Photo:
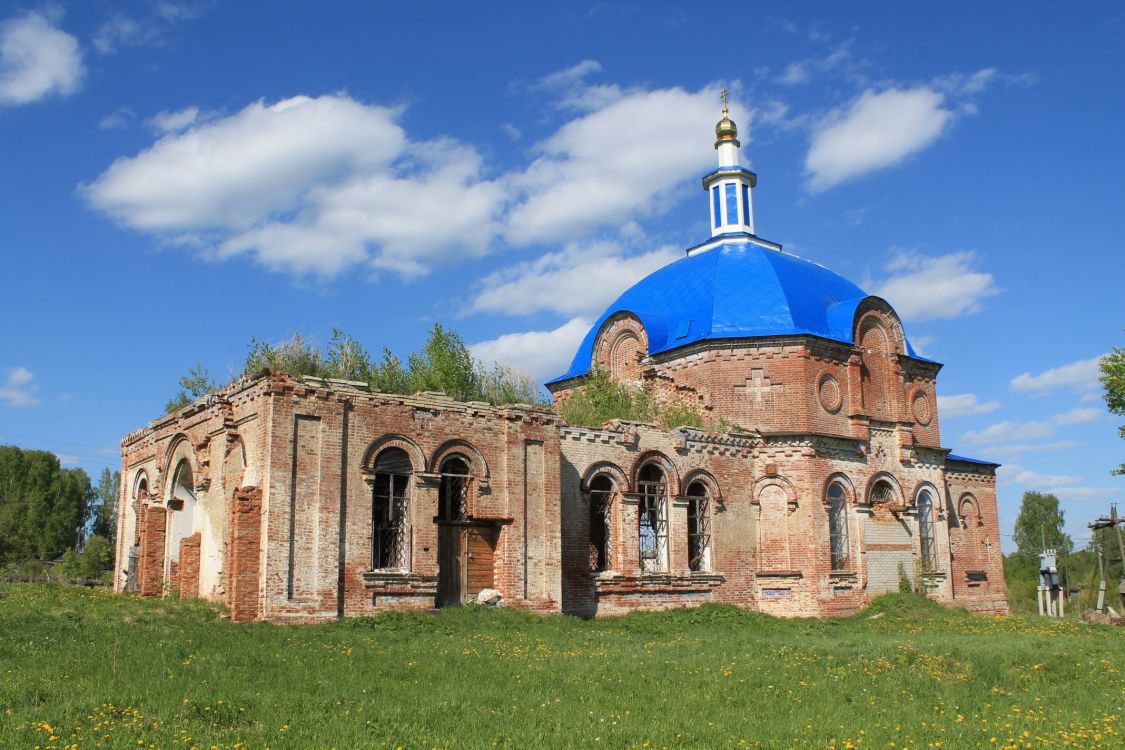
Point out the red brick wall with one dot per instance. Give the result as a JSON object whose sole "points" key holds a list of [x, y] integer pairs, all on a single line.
{"points": [[244, 553], [153, 535], [188, 573]]}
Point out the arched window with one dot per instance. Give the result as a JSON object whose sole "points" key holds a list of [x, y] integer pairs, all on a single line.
{"points": [[390, 517], [883, 493], [838, 539], [698, 527], [453, 497], [601, 497], [926, 530], [652, 532], [181, 503]]}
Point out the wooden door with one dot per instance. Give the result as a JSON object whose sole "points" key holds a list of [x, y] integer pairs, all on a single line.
{"points": [[480, 549], [450, 568]]}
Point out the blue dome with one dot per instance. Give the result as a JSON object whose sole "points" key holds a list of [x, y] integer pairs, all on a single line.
{"points": [[736, 290]]}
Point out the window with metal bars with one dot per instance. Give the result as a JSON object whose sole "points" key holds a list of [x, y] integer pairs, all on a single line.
{"points": [[699, 527], [838, 539], [390, 517], [652, 519], [601, 497], [453, 496], [882, 493], [925, 506]]}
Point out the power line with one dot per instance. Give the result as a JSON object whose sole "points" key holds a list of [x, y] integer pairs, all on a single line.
{"points": [[51, 440]]}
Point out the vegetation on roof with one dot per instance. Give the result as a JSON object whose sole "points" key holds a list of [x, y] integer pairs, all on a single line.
{"points": [[444, 364], [600, 399]]}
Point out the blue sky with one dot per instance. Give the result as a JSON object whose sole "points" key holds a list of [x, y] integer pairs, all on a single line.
{"points": [[178, 178]]}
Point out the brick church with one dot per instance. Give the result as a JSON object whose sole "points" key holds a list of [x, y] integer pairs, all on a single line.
{"points": [[305, 499]]}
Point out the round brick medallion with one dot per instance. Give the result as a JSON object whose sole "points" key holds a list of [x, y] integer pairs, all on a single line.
{"points": [[829, 393], [923, 410]]}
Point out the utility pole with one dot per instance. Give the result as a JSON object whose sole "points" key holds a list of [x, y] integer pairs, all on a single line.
{"points": [[1121, 549]]}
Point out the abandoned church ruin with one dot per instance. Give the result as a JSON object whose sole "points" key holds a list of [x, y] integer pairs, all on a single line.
{"points": [[298, 500]]}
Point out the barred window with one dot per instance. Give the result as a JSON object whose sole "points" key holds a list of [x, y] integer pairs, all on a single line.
{"points": [[601, 496], [453, 497], [926, 530], [838, 539], [390, 517], [699, 527], [653, 519], [883, 493]]}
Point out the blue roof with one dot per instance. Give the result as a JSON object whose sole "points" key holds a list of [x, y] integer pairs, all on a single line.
{"points": [[967, 460], [735, 290]]}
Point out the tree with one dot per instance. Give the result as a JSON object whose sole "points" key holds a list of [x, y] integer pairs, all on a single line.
{"points": [[1112, 366], [43, 507], [196, 384], [445, 364], [1040, 520], [104, 511]]}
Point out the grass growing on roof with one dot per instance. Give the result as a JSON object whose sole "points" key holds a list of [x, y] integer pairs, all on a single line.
{"points": [[85, 668]]}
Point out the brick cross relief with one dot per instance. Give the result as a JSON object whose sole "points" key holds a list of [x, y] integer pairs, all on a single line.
{"points": [[758, 385]]}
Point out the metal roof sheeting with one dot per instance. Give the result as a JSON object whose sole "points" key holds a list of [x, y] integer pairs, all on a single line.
{"points": [[735, 290]]}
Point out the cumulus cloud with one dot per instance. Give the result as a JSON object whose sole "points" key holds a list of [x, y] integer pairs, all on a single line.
{"points": [[318, 184], [544, 353], [1007, 431], [876, 131], [18, 388], [581, 279], [923, 287], [1016, 449], [1085, 493], [37, 60], [964, 405], [307, 185], [612, 164], [1079, 375]]}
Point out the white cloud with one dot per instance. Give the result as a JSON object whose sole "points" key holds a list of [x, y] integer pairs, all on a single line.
{"points": [[167, 121], [1006, 431], [800, 71], [571, 91], [544, 353], [923, 287], [1078, 375], [1021, 448], [1078, 415], [37, 60], [878, 130], [67, 459], [307, 185], [18, 389], [614, 164], [118, 118], [964, 405], [581, 279], [122, 31], [1085, 493], [1035, 479], [232, 173]]}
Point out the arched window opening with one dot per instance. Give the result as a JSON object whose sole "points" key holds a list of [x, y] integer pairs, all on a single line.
{"points": [[653, 519], [838, 539], [883, 493], [453, 497], [926, 531], [968, 513], [182, 505], [601, 497], [699, 527], [390, 517]]}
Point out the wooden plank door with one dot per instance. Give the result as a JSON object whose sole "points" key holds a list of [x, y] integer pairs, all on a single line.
{"points": [[480, 559], [450, 567]]}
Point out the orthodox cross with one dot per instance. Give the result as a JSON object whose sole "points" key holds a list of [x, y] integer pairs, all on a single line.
{"points": [[758, 385], [724, 95]]}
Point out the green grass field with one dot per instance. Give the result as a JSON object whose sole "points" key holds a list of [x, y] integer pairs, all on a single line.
{"points": [[85, 668]]}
